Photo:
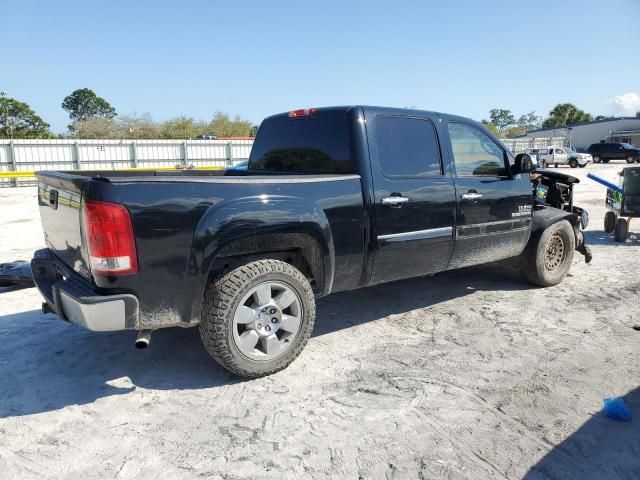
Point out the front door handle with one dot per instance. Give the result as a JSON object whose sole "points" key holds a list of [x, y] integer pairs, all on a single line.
{"points": [[394, 201], [471, 196]]}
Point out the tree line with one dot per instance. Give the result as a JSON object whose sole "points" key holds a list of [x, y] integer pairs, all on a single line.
{"points": [[504, 123], [93, 117]]}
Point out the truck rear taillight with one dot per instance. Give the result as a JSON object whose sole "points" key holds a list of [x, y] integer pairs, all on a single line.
{"points": [[110, 240], [303, 112]]}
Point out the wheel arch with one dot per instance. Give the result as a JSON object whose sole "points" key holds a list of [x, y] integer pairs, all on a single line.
{"points": [[547, 216], [290, 229]]}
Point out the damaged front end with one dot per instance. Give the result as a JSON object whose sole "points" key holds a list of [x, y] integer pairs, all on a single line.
{"points": [[553, 200]]}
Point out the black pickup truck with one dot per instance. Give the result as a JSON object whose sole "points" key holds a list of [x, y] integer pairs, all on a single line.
{"points": [[333, 199]]}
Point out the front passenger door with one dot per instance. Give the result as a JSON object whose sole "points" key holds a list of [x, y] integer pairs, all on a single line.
{"points": [[560, 156], [494, 208]]}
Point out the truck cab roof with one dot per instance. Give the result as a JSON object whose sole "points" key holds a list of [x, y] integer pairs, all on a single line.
{"points": [[346, 109]]}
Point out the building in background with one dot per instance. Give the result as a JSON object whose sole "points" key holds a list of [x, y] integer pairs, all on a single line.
{"points": [[581, 135]]}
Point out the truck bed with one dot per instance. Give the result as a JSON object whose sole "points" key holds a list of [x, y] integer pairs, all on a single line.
{"points": [[180, 217]]}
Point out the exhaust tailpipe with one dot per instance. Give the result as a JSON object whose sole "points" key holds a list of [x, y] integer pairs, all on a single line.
{"points": [[46, 308], [144, 338]]}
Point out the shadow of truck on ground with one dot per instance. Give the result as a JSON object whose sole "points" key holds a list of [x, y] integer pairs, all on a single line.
{"points": [[600, 449], [47, 364]]}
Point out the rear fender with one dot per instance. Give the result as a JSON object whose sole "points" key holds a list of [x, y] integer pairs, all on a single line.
{"points": [[259, 221]]}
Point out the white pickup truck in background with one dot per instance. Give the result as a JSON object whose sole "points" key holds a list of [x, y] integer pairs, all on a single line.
{"points": [[554, 156]]}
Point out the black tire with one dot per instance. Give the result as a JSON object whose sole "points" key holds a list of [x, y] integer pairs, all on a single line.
{"points": [[221, 300], [610, 219], [621, 230], [606, 160], [596, 159], [573, 163], [555, 165], [583, 165], [637, 159], [548, 258], [630, 159]]}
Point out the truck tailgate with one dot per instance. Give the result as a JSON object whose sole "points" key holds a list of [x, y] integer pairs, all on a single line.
{"points": [[59, 202]]}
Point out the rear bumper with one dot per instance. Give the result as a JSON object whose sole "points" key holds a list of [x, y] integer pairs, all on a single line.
{"points": [[75, 299]]}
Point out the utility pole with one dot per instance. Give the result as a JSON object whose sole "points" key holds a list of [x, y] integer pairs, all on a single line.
{"points": [[5, 121]]}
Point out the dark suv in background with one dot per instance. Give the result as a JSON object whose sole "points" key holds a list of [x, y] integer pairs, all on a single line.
{"points": [[603, 152]]}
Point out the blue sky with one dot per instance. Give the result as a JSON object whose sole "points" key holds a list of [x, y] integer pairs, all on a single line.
{"points": [[255, 58]]}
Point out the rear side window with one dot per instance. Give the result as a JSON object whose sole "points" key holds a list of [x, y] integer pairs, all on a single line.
{"points": [[407, 147], [314, 145], [474, 153]]}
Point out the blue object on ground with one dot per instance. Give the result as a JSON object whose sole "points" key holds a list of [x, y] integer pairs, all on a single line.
{"points": [[615, 408]]}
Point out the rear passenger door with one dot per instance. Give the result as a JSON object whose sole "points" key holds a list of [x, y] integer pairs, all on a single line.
{"points": [[494, 208], [414, 198]]}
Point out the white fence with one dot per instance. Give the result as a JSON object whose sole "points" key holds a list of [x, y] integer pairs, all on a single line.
{"points": [[35, 155], [519, 145]]}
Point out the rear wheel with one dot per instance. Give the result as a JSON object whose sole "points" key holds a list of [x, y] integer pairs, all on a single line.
{"points": [[547, 259], [630, 159], [606, 160], [622, 228], [257, 318], [596, 159], [610, 219]]}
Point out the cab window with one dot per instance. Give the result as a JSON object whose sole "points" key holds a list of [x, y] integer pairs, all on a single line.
{"points": [[475, 154], [407, 147]]}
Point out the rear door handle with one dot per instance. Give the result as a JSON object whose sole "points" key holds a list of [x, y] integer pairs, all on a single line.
{"points": [[471, 196], [394, 201]]}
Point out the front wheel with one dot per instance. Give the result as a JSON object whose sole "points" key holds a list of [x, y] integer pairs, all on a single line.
{"points": [[596, 159], [573, 163], [257, 318], [630, 159], [547, 259]]}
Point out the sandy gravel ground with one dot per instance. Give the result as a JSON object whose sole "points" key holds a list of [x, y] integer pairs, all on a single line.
{"points": [[467, 375]]}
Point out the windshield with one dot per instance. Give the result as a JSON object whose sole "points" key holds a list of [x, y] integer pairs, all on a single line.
{"points": [[569, 150], [627, 145]]}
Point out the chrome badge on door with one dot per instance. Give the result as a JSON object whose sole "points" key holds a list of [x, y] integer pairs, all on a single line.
{"points": [[523, 211]]}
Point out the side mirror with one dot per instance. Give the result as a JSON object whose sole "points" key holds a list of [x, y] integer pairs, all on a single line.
{"points": [[524, 164]]}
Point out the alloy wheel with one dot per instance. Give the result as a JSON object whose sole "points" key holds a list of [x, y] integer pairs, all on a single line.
{"points": [[267, 320]]}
